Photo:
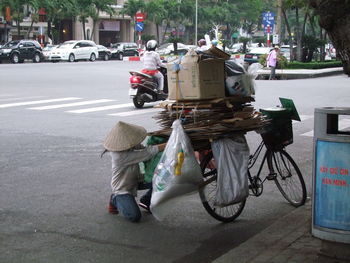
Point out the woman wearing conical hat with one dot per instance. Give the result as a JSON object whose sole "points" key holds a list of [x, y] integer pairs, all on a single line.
{"points": [[123, 143]]}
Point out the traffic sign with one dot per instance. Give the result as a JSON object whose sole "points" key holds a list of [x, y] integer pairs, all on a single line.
{"points": [[268, 21], [140, 17], [139, 26]]}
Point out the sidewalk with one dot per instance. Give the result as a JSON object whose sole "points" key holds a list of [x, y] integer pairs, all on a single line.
{"points": [[301, 73], [288, 239]]}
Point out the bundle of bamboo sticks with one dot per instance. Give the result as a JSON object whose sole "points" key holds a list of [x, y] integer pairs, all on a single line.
{"points": [[207, 120]]}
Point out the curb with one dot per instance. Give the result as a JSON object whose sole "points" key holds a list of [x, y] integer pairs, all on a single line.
{"points": [[270, 243], [301, 74], [131, 58]]}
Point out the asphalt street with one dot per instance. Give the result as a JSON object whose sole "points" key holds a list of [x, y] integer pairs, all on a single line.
{"points": [[54, 187]]}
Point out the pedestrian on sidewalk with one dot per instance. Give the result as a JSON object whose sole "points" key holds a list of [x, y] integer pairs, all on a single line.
{"points": [[271, 62], [123, 143]]}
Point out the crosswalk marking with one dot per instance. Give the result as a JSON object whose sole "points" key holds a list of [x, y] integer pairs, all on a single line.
{"points": [[110, 107], [27, 98], [134, 112], [343, 124], [81, 103], [36, 102]]}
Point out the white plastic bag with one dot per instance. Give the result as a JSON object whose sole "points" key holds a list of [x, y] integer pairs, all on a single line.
{"points": [[171, 178], [231, 157], [248, 79]]}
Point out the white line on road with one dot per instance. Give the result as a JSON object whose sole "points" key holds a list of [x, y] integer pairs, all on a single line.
{"points": [[27, 98], [110, 107], [36, 102], [134, 112], [343, 124], [57, 106]]}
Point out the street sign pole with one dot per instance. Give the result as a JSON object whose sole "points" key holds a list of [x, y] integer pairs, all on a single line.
{"points": [[268, 35], [139, 39]]}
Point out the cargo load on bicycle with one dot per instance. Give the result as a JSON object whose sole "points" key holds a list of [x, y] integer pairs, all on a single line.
{"points": [[212, 97]]}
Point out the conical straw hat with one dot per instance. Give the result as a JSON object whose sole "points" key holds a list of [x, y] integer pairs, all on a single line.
{"points": [[124, 136]]}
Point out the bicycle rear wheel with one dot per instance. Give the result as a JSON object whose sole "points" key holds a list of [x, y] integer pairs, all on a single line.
{"points": [[207, 194], [289, 179]]}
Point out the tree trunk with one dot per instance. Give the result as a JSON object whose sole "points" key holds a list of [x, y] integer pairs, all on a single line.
{"points": [[290, 40], [298, 35], [18, 29], [157, 29], [335, 19], [30, 28], [84, 30], [49, 32]]}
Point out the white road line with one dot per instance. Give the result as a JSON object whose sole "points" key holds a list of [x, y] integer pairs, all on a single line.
{"points": [[21, 98], [57, 106], [343, 124], [134, 112], [110, 107], [36, 102]]}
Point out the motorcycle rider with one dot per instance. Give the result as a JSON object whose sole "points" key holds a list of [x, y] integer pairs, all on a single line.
{"points": [[151, 62]]}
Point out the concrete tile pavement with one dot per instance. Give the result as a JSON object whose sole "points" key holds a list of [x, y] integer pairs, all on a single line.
{"points": [[288, 239]]}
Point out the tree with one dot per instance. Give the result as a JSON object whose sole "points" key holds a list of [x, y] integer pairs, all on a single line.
{"points": [[334, 17], [55, 12], [104, 6], [17, 11]]}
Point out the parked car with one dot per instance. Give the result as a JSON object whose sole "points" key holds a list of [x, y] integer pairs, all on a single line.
{"points": [[254, 54], [47, 51], [104, 53], [17, 51], [74, 50], [124, 49], [168, 49], [285, 51], [235, 48]]}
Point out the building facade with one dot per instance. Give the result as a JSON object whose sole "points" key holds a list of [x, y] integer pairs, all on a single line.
{"points": [[105, 30]]}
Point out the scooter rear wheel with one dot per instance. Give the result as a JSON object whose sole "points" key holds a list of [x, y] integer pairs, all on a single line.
{"points": [[138, 102]]}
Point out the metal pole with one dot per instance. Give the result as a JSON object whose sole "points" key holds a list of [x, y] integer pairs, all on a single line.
{"points": [[196, 23]]}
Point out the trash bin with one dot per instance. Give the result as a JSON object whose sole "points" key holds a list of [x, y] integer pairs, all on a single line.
{"points": [[331, 178]]}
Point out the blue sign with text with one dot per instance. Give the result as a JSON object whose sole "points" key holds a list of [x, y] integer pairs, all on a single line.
{"points": [[139, 26], [332, 185], [268, 21]]}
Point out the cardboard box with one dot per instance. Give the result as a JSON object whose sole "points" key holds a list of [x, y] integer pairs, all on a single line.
{"points": [[197, 79]]}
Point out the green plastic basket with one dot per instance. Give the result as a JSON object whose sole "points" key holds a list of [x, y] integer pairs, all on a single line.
{"points": [[279, 133]]}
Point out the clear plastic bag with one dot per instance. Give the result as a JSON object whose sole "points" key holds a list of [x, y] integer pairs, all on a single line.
{"points": [[248, 79], [177, 172], [231, 156]]}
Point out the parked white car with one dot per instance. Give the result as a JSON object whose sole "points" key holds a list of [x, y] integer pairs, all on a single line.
{"points": [[47, 51], [74, 50]]}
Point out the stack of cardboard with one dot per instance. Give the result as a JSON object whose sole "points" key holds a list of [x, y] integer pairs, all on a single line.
{"points": [[197, 93], [207, 120]]}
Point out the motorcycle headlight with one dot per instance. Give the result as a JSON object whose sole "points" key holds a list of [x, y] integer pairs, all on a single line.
{"points": [[6, 50]]}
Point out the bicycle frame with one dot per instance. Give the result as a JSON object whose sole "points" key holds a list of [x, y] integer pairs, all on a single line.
{"points": [[256, 184]]}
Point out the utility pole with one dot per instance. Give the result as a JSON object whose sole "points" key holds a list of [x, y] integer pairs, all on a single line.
{"points": [[279, 20]]}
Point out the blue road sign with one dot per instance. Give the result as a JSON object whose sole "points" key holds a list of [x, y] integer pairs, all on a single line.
{"points": [[268, 20], [139, 26]]}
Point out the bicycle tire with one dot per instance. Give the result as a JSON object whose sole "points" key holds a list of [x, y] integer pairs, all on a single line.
{"points": [[289, 179], [207, 194]]}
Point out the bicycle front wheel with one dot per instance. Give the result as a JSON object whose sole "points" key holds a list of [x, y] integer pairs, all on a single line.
{"points": [[289, 179], [207, 193]]}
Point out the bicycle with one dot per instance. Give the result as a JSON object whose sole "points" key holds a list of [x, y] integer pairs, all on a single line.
{"points": [[282, 170]]}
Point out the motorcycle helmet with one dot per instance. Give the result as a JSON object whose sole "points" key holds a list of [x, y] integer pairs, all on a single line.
{"points": [[202, 42], [214, 42], [151, 45]]}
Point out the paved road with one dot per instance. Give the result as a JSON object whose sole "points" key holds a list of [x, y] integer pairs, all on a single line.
{"points": [[54, 187]]}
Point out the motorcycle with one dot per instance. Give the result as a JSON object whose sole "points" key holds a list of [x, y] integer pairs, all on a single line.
{"points": [[144, 88]]}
